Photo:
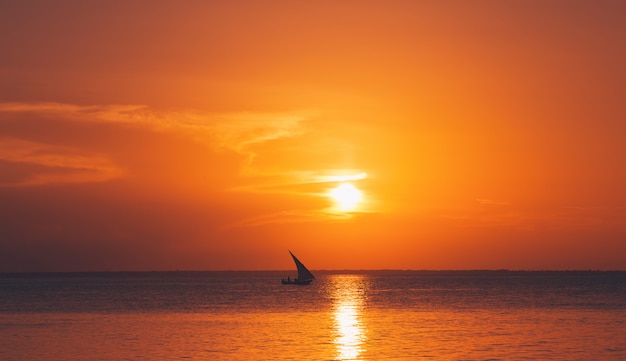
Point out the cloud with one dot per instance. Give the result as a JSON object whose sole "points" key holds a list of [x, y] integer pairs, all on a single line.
{"points": [[308, 182], [52, 164], [492, 202], [235, 131], [242, 130], [67, 158], [292, 216], [536, 218]]}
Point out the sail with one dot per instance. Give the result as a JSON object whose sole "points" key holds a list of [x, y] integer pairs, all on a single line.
{"points": [[303, 273]]}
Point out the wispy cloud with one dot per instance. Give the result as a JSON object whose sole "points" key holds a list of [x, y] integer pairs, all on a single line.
{"points": [[526, 218], [285, 179], [237, 132], [56, 164], [291, 216], [492, 202], [241, 130]]}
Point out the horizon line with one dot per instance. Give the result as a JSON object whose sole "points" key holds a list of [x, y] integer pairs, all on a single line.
{"points": [[318, 270]]}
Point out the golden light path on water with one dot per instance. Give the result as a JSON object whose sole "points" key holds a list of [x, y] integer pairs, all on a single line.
{"points": [[348, 295]]}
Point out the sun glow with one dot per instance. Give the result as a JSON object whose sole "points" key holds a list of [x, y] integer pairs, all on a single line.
{"points": [[345, 178], [346, 196]]}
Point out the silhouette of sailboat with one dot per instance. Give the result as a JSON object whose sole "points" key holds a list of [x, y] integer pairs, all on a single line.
{"points": [[304, 275]]}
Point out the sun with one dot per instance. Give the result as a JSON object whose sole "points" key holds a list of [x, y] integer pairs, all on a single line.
{"points": [[346, 196]]}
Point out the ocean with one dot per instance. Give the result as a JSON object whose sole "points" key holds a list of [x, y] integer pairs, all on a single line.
{"points": [[364, 315]]}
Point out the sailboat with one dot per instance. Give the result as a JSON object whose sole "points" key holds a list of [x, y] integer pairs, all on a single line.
{"points": [[304, 275]]}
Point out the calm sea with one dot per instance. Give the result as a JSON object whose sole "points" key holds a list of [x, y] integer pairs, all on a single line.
{"points": [[391, 315]]}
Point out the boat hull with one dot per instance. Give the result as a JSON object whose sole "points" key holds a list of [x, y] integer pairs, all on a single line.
{"points": [[296, 282]]}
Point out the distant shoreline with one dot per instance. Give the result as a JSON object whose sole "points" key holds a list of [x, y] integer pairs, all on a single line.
{"points": [[320, 272]]}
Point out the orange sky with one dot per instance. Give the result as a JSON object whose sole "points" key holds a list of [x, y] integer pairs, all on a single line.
{"points": [[202, 135]]}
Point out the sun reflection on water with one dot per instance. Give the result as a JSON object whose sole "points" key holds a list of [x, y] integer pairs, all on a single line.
{"points": [[348, 294]]}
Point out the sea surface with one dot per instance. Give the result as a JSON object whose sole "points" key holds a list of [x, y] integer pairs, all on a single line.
{"points": [[367, 315]]}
